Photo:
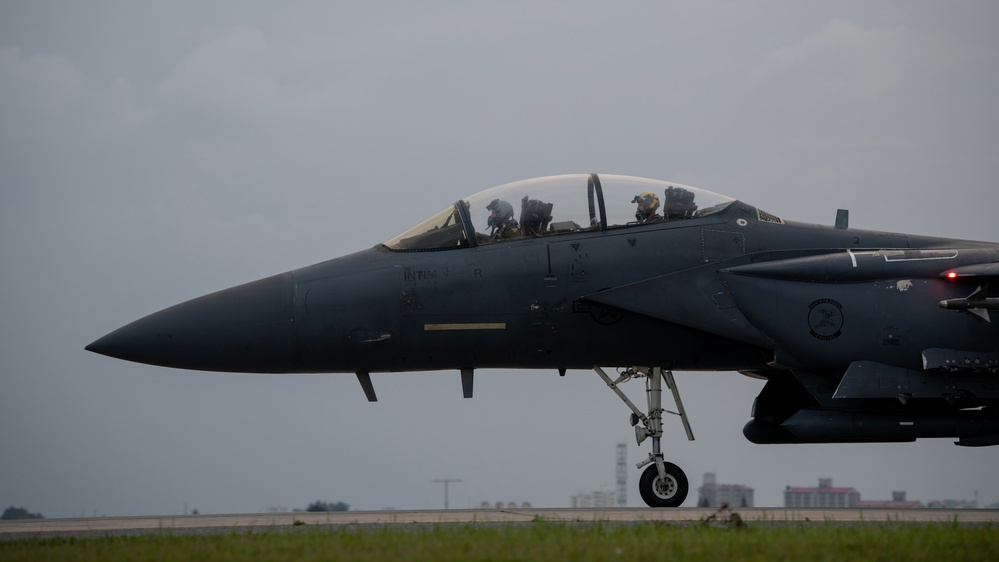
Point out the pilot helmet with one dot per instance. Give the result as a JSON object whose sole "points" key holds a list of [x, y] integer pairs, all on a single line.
{"points": [[501, 212], [648, 203]]}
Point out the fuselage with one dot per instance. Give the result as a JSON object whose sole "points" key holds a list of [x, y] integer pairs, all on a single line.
{"points": [[655, 293]]}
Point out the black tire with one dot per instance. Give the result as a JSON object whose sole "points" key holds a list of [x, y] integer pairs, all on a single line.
{"points": [[659, 493]]}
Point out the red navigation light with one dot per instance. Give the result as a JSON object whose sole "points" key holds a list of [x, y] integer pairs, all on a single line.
{"points": [[951, 275]]}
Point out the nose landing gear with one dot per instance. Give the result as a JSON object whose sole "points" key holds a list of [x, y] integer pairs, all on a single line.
{"points": [[662, 484]]}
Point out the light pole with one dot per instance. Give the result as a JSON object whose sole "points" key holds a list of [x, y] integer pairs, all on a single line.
{"points": [[447, 481]]}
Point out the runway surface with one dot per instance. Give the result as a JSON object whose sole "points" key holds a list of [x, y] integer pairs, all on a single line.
{"points": [[100, 526]]}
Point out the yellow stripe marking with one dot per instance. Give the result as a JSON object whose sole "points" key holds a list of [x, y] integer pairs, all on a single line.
{"points": [[471, 326]]}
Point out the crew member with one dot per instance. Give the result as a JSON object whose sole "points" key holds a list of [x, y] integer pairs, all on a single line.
{"points": [[648, 204], [501, 220]]}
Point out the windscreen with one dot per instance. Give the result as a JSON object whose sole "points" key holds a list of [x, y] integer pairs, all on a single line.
{"points": [[441, 231]]}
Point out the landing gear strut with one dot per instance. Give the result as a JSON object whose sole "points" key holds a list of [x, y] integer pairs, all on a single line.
{"points": [[662, 484]]}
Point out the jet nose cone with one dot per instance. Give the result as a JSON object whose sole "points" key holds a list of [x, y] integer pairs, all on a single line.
{"points": [[247, 329]]}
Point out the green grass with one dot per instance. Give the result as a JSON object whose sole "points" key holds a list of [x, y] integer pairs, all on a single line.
{"points": [[536, 541]]}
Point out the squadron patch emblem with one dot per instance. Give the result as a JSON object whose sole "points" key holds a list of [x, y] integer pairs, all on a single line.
{"points": [[825, 319]]}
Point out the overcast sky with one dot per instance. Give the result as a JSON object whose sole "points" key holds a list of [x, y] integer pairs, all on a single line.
{"points": [[154, 152]]}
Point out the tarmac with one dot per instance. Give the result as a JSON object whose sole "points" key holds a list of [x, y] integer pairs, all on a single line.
{"points": [[195, 524]]}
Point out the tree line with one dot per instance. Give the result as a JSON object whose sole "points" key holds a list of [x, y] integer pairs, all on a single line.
{"points": [[20, 513], [327, 506]]}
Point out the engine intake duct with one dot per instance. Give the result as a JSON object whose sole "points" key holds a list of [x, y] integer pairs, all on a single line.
{"points": [[973, 427]]}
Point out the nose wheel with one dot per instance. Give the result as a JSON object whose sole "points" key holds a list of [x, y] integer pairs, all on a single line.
{"points": [[662, 484], [663, 491]]}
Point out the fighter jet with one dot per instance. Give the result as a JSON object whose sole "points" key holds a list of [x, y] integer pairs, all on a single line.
{"points": [[862, 336]]}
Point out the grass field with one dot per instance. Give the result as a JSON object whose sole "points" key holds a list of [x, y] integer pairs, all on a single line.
{"points": [[540, 541]]}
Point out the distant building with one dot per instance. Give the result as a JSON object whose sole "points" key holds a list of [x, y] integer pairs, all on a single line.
{"points": [[485, 504], [897, 501], [713, 494], [606, 498], [600, 499], [823, 496], [621, 473]]}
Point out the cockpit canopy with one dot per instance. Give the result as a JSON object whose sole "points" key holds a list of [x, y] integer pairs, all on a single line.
{"points": [[557, 205]]}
